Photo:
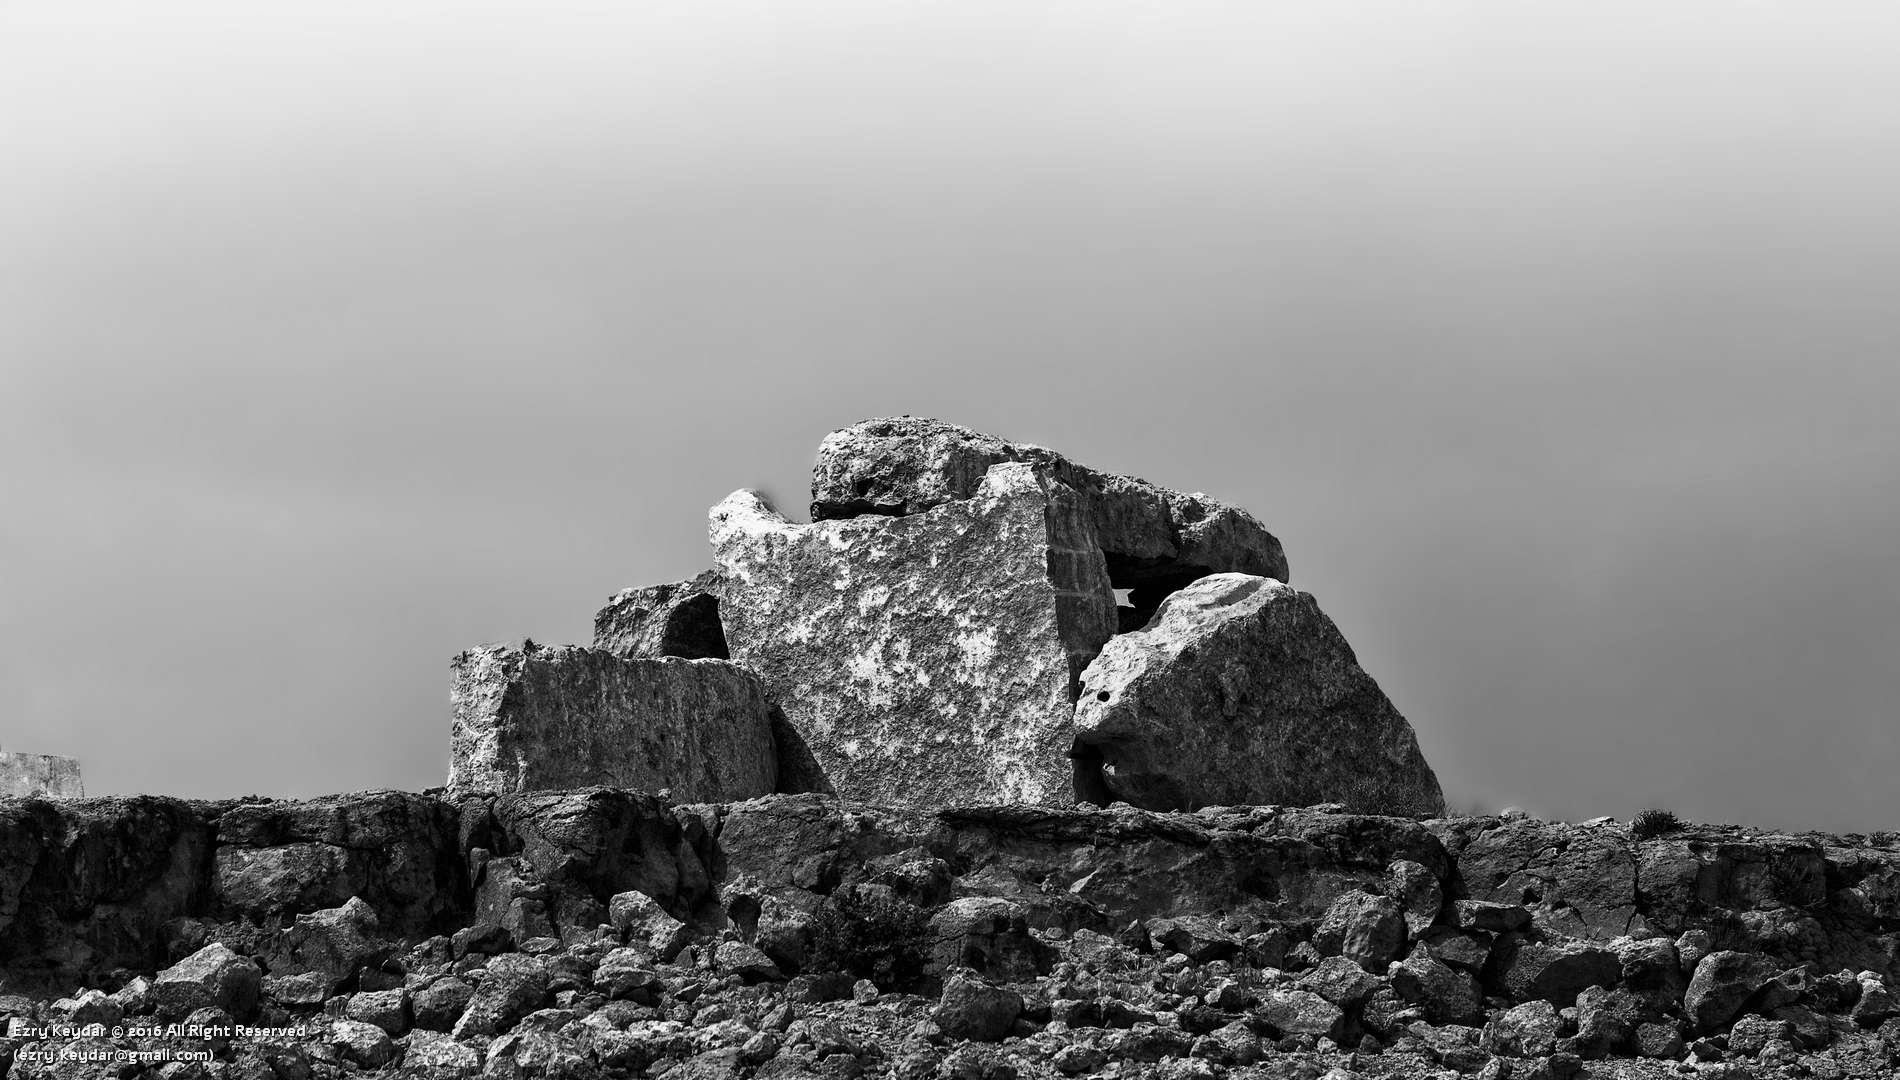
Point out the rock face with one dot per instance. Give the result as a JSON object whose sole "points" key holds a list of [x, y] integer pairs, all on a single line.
{"points": [[45, 776], [549, 718], [1240, 691], [930, 659], [1154, 539], [677, 619]]}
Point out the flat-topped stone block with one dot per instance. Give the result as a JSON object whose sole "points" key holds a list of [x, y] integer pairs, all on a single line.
{"points": [[540, 718], [46, 776]]}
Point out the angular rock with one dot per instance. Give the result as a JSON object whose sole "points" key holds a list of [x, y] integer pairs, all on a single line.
{"points": [[1447, 995], [680, 618], [539, 718], [973, 1009], [643, 921], [387, 1009], [1527, 1030], [1364, 928], [437, 1006], [625, 975], [1300, 1012], [1419, 893], [40, 776], [512, 987], [1556, 971], [1467, 949], [1722, 982], [746, 961], [1341, 981], [1200, 938], [361, 1044], [929, 660], [1488, 916], [987, 934], [1155, 539], [435, 1049], [332, 944], [214, 977], [1240, 691]]}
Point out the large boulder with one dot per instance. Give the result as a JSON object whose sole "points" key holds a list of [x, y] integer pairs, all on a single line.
{"points": [[680, 618], [930, 659], [1155, 539], [550, 718], [1240, 691]]}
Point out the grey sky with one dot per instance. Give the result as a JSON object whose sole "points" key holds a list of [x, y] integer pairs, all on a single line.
{"points": [[1555, 340]]}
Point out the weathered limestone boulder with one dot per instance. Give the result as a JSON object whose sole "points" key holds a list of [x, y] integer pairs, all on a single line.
{"points": [[680, 618], [539, 718], [1154, 539], [930, 659], [45, 776], [1240, 691]]}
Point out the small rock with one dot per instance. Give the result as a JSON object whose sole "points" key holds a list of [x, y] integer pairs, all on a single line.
{"points": [[364, 1045], [1722, 982], [212, 977], [973, 1009], [1526, 1031], [387, 1009], [641, 920], [1300, 1012], [746, 961]]}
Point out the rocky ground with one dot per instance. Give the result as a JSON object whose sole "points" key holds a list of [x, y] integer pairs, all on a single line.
{"points": [[795, 936]]}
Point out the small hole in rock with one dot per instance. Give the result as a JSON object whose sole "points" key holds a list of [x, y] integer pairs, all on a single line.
{"points": [[1101, 695]]}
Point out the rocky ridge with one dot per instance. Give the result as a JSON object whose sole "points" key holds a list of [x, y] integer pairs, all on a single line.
{"points": [[606, 932]]}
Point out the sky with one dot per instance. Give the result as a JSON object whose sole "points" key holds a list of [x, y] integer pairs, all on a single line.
{"points": [[1555, 340]]}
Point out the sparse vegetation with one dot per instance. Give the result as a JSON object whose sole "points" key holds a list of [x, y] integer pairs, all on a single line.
{"points": [[870, 933], [1651, 823]]}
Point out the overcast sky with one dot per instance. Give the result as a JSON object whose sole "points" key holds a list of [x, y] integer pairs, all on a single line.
{"points": [[1557, 341]]}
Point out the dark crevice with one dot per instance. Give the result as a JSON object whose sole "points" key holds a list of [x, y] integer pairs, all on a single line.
{"points": [[694, 630], [1090, 787]]}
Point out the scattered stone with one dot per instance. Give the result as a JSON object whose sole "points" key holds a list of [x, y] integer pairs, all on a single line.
{"points": [[640, 919], [1557, 971], [512, 986], [1488, 916], [1446, 994], [540, 718], [1722, 982], [432, 1049], [437, 1006], [1364, 928], [387, 1009], [213, 977], [1300, 1012], [971, 1008], [1200, 938], [1420, 895], [1526, 1031], [364, 1045]]}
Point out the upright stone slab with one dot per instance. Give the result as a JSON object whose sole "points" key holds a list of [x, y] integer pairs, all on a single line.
{"points": [[1240, 691], [46, 776], [1154, 539], [541, 718], [680, 618], [929, 659]]}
